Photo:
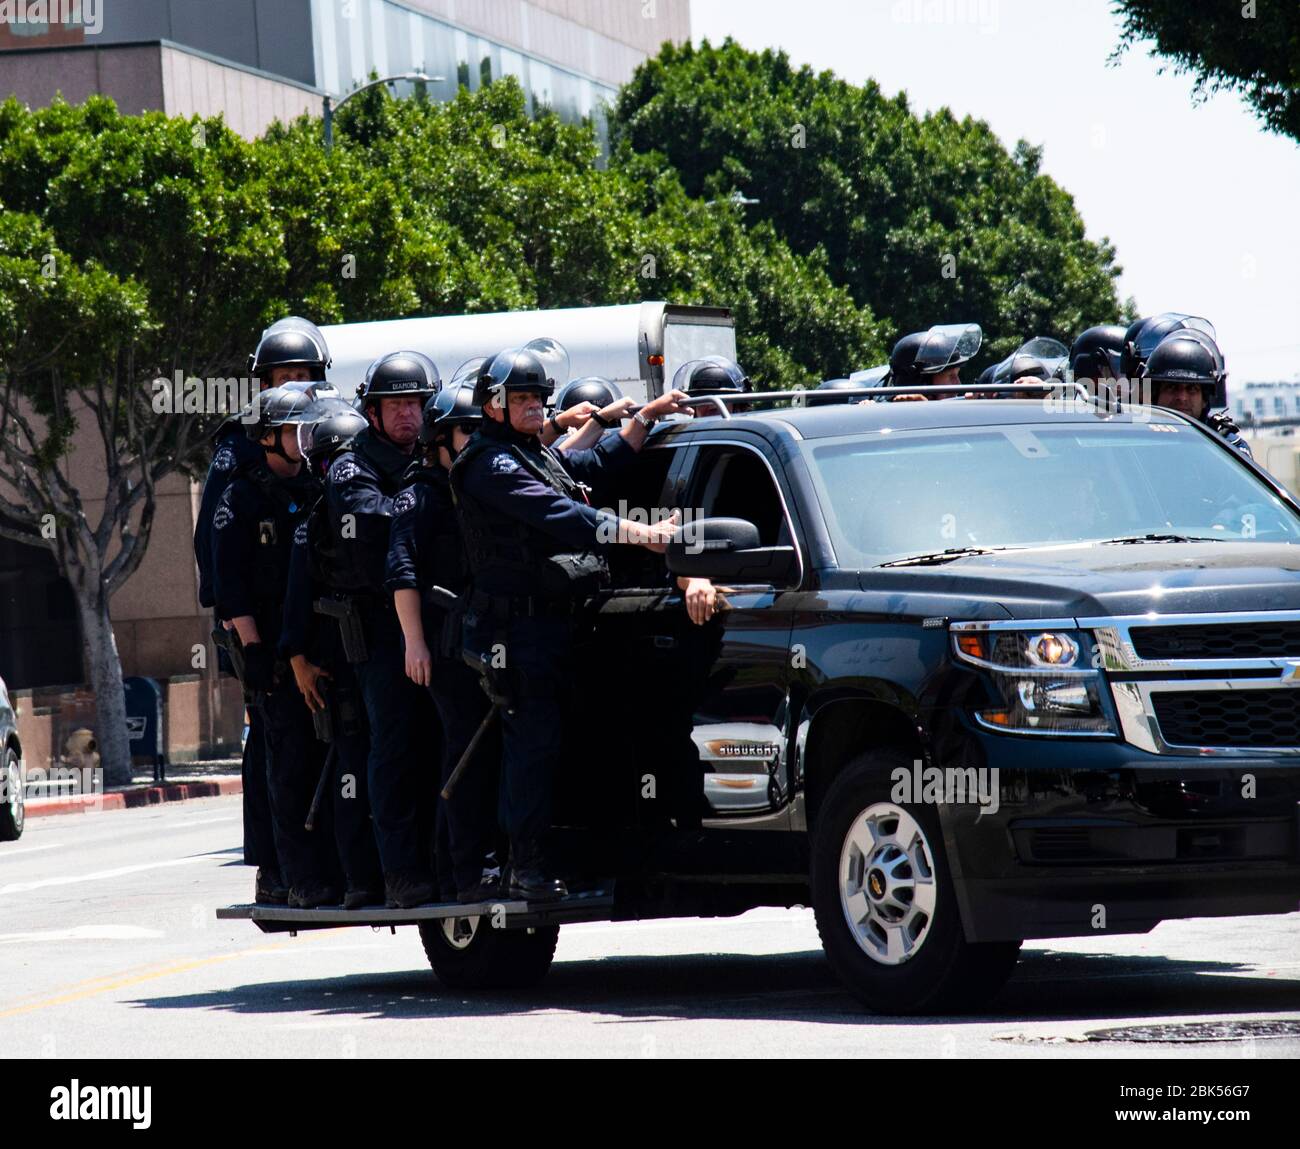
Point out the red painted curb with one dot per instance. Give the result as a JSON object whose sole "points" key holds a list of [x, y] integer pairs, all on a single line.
{"points": [[130, 799]]}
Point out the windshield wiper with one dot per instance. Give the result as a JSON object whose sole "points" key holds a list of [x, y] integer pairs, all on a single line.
{"points": [[1124, 540], [936, 557]]}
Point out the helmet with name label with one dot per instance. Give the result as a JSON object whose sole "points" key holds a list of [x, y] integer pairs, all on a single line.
{"points": [[290, 342], [399, 375]]}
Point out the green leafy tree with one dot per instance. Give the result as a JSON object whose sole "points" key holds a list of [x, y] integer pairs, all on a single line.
{"points": [[131, 247], [1247, 46], [474, 206], [921, 219]]}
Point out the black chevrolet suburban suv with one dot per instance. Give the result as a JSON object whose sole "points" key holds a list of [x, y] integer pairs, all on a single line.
{"points": [[986, 670]]}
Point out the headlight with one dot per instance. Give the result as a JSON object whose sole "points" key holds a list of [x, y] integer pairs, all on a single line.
{"points": [[1042, 678]]}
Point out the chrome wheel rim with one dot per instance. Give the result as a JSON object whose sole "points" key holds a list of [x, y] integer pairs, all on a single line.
{"points": [[458, 933], [888, 884]]}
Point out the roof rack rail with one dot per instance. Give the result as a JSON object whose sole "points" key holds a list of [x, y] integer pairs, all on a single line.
{"points": [[1104, 398]]}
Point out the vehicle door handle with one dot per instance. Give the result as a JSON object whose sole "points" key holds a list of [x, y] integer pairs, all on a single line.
{"points": [[665, 642]]}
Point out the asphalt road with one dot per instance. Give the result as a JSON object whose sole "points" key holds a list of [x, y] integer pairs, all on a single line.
{"points": [[110, 948]]}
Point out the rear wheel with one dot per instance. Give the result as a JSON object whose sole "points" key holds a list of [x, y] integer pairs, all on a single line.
{"points": [[468, 953], [884, 900], [12, 812]]}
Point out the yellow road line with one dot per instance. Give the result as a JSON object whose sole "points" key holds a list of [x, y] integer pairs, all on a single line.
{"points": [[114, 981]]}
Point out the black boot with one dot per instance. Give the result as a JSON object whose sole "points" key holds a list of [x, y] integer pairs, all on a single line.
{"points": [[309, 895], [529, 880], [359, 896], [406, 890], [269, 889]]}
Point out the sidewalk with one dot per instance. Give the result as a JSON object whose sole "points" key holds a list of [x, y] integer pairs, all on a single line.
{"points": [[184, 781]]}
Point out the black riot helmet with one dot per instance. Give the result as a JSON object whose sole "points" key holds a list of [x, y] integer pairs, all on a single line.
{"points": [[1095, 353], [824, 395], [514, 369], [593, 389], [712, 375], [276, 407], [290, 342], [926, 353], [1189, 355], [1144, 335], [453, 406], [329, 426], [1041, 358], [399, 375]]}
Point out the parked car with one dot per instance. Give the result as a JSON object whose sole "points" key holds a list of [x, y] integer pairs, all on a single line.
{"points": [[987, 671], [11, 771]]}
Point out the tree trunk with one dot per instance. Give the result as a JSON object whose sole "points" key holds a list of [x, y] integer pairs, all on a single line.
{"points": [[105, 668]]}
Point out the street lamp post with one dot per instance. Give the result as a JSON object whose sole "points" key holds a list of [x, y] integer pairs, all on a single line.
{"points": [[331, 107]]}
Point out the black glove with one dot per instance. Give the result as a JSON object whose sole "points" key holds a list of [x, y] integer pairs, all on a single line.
{"points": [[259, 666], [1222, 422]]}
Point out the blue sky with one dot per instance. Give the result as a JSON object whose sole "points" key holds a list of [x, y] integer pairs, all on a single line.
{"points": [[1202, 205]]}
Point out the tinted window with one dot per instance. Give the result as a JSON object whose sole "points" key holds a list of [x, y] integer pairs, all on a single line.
{"points": [[735, 482], [640, 494], [918, 492]]}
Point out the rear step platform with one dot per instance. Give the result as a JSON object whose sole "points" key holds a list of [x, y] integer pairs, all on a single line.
{"points": [[588, 906]]}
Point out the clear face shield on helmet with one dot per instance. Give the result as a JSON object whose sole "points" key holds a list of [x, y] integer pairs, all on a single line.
{"points": [[305, 327], [1166, 323], [322, 408], [948, 345], [554, 357], [467, 372]]}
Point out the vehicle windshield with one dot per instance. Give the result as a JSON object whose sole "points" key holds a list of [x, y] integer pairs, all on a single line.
{"points": [[923, 492]]}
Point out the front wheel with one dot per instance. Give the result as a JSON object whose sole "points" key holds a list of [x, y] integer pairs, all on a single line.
{"points": [[884, 900], [12, 809], [468, 953]]}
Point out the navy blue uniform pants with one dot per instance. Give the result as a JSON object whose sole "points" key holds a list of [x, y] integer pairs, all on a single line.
{"points": [[259, 840], [294, 760], [467, 821], [539, 668], [402, 767], [354, 831]]}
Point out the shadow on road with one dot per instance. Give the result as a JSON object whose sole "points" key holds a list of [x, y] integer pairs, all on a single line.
{"points": [[1049, 985]]}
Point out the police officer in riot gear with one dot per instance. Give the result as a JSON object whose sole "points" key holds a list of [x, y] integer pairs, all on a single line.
{"points": [[593, 389], [1039, 360], [712, 375], [360, 487], [1095, 353], [252, 534], [324, 677], [426, 557], [290, 349], [534, 549], [1187, 374], [934, 356], [1144, 335]]}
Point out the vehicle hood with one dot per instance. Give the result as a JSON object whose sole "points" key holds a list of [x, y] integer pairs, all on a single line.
{"points": [[1113, 579]]}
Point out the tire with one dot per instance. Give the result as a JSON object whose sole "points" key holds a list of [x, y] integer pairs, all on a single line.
{"points": [[488, 958], [12, 804], [885, 903]]}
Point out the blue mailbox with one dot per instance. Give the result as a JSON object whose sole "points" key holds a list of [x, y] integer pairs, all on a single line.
{"points": [[144, 723]]}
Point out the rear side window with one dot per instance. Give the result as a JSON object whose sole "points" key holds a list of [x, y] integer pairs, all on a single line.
{"points": [[641, 496], [735, 482]]}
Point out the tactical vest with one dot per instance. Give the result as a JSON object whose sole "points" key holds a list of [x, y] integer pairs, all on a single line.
{"points": [[337, 562], [447, 565], [493, 540], [288, 501]]}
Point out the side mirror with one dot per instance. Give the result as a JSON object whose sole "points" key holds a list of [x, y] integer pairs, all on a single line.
{"points": [[728, 550]]}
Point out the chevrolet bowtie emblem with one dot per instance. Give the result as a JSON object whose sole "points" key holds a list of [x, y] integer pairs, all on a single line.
{"points": [[1291, 672]]}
